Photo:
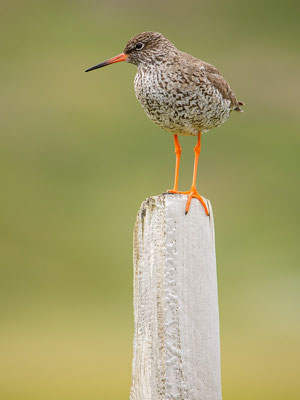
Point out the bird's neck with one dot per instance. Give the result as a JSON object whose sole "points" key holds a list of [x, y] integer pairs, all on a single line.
{"points": [[159, 61]]}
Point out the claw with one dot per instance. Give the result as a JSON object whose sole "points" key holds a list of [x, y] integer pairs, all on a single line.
{"points": [[192, 193]]}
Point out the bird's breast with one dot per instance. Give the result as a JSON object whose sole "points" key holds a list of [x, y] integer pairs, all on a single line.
{"points": [[151, 88], [175, 103]]}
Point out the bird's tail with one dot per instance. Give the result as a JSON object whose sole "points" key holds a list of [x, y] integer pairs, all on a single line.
{"points": [[238, 108]]}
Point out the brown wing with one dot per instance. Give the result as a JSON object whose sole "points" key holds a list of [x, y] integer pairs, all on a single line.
{"points": [[208, 67], [215, 78], [223, 87]]}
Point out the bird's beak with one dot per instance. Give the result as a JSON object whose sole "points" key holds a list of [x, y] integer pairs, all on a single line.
{"points": [[120, 57]]}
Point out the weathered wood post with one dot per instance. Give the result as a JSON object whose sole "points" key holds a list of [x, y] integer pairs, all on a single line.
{"points": [[176, 349]]}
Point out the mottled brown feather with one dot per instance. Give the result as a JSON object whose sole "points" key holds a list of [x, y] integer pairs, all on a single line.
{"points": [[215, 78], [224, 88]]}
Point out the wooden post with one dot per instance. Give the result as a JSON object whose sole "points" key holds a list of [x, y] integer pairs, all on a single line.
{"points": [[176, 349]]}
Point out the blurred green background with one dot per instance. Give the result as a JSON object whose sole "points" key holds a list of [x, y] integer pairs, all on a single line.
{"points": [[78, 156]]}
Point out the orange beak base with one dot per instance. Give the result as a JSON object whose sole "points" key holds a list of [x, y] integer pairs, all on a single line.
{"points": [[119, 58]]}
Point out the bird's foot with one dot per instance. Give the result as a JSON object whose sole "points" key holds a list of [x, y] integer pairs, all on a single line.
{"points": [[192, 193]]}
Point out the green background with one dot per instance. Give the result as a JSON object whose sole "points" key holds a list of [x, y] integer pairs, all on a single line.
{"points": [[78, 156]]}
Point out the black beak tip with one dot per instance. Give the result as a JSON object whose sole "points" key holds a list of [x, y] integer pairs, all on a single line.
{"points": [[97, 66]]}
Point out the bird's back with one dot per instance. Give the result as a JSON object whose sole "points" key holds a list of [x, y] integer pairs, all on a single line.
{"points": [[215, 78]]}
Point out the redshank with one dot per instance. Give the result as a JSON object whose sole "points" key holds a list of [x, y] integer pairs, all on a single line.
{"points": [[180, 93]]}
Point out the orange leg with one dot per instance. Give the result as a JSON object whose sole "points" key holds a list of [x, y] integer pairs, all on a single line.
{"points": [[178, 154], [192, 193]]}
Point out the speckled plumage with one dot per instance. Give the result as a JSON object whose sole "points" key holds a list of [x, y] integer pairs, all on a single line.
{"points": [[178, 92]]}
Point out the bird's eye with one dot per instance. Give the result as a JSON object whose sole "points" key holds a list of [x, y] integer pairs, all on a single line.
{"points": [[139, 45]]}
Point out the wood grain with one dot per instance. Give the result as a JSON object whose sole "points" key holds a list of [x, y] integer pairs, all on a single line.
{"points": [[176, 316]]}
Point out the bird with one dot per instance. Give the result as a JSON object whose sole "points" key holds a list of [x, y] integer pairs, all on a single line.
{"points": [[180, 93]]}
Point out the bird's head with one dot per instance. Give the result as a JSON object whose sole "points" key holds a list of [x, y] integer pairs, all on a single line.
{"points": [[144, 48], [148, 48]]}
